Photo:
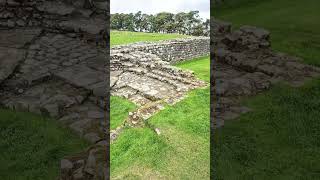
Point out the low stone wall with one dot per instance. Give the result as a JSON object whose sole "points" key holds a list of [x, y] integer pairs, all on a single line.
{"points": [[172, 50]]}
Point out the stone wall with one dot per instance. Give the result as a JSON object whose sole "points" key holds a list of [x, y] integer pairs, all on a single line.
{"points": [[173, 50], [73, 17]]}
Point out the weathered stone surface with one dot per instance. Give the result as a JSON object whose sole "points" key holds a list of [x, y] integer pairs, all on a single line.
{"points": [[17, 38], [172, 50], [58, 70], [142, 74], [92, 26], [9, 60], [80, 75], [244, 65], [55, 7]]}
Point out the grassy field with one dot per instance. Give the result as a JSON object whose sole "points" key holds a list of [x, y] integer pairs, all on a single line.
{"points": [[126, 37], [280, 138], [182, 149], [294, 24], [31, 146]]}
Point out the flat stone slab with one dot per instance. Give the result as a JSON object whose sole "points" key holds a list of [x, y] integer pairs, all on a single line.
{"points": [[18, 38], [80, 75], [9, 60]]}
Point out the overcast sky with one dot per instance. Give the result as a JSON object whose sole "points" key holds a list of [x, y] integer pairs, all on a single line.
{"points": [[156, 6]]}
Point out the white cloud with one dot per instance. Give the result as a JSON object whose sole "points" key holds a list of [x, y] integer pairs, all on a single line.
{"points": [[156, 6]]}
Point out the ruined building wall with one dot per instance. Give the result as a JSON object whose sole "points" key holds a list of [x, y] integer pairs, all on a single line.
{"points": [[172, 50]]}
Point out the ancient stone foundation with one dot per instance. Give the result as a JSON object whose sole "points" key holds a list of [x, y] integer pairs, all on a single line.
{"points": [[244, 65], [143, 74], [53, 57], [53, 62]]}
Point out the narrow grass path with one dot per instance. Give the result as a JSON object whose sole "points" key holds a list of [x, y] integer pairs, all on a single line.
{"points": [[126, 37], [31, 146], [280, 138], [182, 149]]}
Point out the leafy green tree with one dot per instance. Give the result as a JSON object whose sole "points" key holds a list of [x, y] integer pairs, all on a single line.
{"points": [[183, 23]]}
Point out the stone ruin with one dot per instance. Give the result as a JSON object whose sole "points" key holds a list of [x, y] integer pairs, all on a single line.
{"points": [[143, 73], [53, 60], [245, 65]]}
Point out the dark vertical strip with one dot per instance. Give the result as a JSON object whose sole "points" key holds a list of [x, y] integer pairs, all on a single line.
{"points": [[212, 97], [107, 98]]}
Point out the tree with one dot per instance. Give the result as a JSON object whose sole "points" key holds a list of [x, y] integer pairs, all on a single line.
{"points": [[138, 21], [183, 23]]}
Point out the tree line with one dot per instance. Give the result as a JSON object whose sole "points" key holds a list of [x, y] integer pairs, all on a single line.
{"points": [[188, 23]]}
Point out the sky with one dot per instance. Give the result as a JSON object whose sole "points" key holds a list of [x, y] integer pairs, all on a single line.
{"points": [[156, 6]]}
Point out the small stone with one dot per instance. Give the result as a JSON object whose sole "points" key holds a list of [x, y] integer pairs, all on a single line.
{"points": [[92, 137], [67, 63], [11, 23], [20, 22], [20, 91], [95, 114], [78, 174], [158, 131], [66, 165], [91, 163]]}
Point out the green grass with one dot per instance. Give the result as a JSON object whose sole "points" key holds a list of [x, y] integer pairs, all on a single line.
{"points": [[294, 24], [180, 152], [119, 110], [31, 146], [126, 37], [280, 138], [182, 149], [200, 66]]}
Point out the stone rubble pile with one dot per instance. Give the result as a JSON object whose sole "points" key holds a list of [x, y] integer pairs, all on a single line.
{"points": [[53, 62], [245, 65], [142, 74]]}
